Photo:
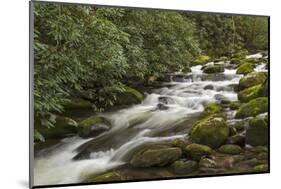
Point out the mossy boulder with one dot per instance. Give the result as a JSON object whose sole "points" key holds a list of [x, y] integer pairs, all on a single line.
{"points": [[221, 59], [212, 108], [129, 96], [213, 69], [201, 60], [240, 54], [249, 93], [184, 167], [235, 61], [211, 131], [155, 156], [252, 79], [197, 151], [63, 126], [257, 133], [77, 103], [261, 168], [105, 177], [179, 143], [230, 149], [234, 105], [251, 60], [93, 126], [263, 91], [245, 69], [253, 108]]}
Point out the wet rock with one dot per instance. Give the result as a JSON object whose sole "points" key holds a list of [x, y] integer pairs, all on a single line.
{"points": [[221, 59], [106, 177], [253, 108], [93, 126], [263, 91], [165, 100], [179, 143], [245, 69], [197, 151], [213, 69], [250, 93], [129, 96], [184, 167], [211, 131], [212, 108], [207, 163], [155, 156], [252, 79], [234, 87], [253, 162], [220, 97], [63, 127], [237, 139], [162, 106], [230, 149], [234, 105], [209, 87], [257, 133]]}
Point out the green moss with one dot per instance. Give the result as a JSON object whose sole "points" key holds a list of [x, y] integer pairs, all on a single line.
{"points": [[245, 68], [263, 91], [213, 69], [179, 143], [252, 79], [212, 108], [261, 168], [240, 54], [211, 131], [251, 60], [249, 93], [129, 96], [234, 105], [184, 167], [77, 103], [201, 60], [196, 151], [221, 59], [235, 61], [257, 133], [253, 108], [230, 149]]}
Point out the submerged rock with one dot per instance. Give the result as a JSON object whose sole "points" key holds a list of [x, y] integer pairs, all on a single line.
{"points": [[184, 167], [93, 126], [211, 131], [155, 156], [253, 108], [162, 106], [252, 79], [197, 151], [213, 69], [230, 149], [257, 133], [209, 87]]}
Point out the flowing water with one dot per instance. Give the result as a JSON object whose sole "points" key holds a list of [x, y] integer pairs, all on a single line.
{"points": [[164, 115]]}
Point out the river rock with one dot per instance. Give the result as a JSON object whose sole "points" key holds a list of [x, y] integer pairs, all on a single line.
{"points": [[240, 54], [129, 96], [200, 60], [245, 69], [212, 108], [211, 131], [253, 108], [179, 143], [93, 126], [155, 156], [261, 168], [161, 106], [105, 177], [237, 139], [263, 91], [257, 133], [207, 163], [220, 97], [221, 59], [230, 149], [63, 126], [197, 151], [209, 87], [165, 100], [252, 79], [184, 167], [213, 69], [249, 93]]}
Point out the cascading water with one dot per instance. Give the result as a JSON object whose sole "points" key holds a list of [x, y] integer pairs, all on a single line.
{"points": [[142, 124]]}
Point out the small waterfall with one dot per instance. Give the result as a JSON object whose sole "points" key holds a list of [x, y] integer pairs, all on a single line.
{"points": [[142, 124]]}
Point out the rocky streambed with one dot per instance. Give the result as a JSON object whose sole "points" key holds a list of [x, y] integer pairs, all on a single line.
{"points": [[211, 119]]}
